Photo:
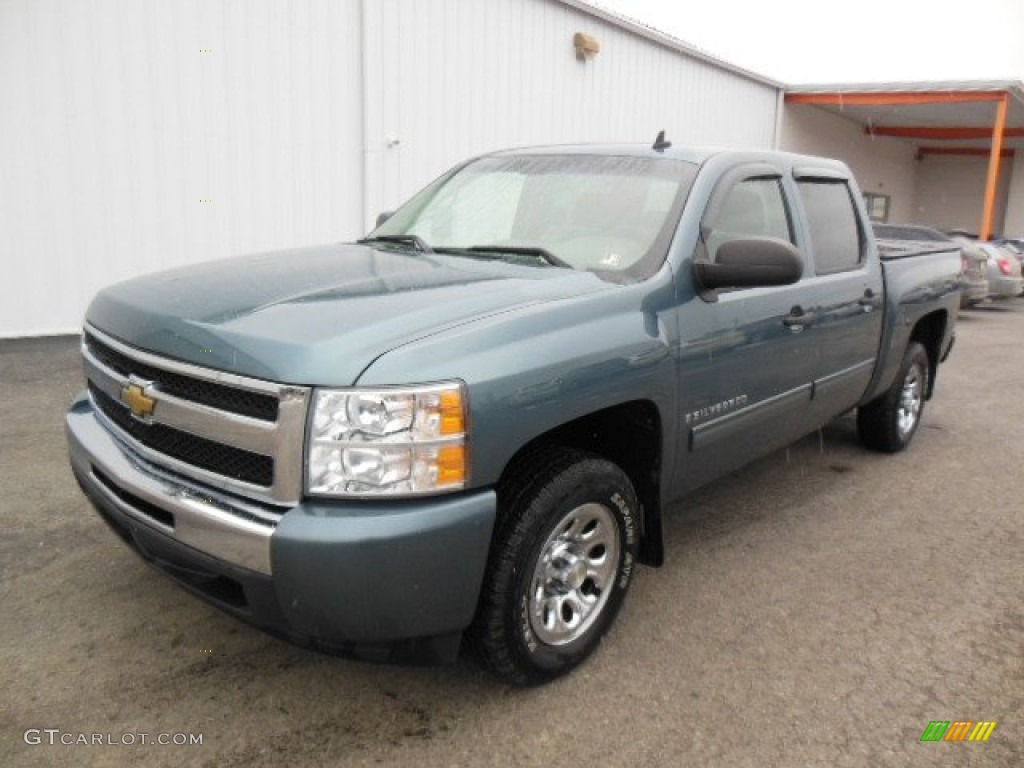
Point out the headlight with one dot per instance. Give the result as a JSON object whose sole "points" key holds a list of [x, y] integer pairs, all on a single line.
{"points": [[396, 441]]}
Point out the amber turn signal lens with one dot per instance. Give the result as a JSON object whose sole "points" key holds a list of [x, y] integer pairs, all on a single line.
{"points": [[451, 465], [453, 421]]}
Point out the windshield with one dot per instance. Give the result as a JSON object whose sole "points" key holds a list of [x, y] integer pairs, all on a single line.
{"points": [[589, 212]]}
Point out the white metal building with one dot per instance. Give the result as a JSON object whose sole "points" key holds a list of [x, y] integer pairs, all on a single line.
{"points": [[142, 135]]}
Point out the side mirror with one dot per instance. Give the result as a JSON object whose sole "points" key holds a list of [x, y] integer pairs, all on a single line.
{"points": [[384, 216], [750, 262]]}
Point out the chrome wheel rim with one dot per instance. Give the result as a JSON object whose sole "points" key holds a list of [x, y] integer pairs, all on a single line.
{"points": [[574, 574], [911, 400]]}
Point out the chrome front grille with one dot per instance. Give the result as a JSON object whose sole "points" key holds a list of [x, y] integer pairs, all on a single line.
{"points": [[239, 434], [199, 452], [243, 402]]}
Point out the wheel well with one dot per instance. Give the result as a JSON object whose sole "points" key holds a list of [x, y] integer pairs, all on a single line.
{"points": [[628, 435], [929, 332]]}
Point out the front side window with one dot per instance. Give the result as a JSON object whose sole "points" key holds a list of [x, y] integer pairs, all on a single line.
{"points": [[836, 239], [751, 208], [591, 212]]}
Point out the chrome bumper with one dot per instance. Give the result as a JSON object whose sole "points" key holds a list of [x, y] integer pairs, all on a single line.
{"points": [[352, 576]]}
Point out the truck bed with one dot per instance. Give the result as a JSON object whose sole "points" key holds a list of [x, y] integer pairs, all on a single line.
{"points": [[921, 279], [889, 250]]}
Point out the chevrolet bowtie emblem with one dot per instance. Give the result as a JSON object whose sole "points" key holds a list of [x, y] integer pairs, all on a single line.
{"points": [[135, 397]]}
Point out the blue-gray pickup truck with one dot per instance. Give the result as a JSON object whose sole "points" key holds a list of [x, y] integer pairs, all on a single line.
{"points": [[461, 431]]}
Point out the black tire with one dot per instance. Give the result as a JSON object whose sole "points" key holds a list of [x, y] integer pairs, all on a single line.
{"points": [[547, 505], [888, 423]]}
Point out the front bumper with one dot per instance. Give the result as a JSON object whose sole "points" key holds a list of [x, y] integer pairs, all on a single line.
{"points": [[392, 580]]}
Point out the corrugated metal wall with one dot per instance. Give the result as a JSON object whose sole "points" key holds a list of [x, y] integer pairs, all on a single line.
{"points": [[137, 135], [144, 134], [476, 76]]}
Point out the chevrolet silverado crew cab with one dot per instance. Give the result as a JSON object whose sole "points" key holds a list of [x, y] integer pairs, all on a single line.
{"points": [[462, 430]]}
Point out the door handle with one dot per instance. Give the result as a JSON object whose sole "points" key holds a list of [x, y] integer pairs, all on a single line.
{"points": [[798, 318], [867, 300]]}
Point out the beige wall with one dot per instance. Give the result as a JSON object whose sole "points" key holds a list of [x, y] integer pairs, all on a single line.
{"points": [[951, 192], [1014, 226], [883, 166]]}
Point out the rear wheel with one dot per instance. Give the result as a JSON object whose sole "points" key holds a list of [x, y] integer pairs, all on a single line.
{"points": [[888, 423], [559, 567]]}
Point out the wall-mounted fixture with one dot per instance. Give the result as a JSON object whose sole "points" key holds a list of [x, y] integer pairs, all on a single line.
{"points": [[587, 46]]}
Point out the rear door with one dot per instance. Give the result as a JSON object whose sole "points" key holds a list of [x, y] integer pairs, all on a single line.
{"points": [[746, 362], [846, 277]]}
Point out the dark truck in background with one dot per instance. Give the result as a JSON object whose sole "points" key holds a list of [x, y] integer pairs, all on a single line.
{"points": [[462, 431]]}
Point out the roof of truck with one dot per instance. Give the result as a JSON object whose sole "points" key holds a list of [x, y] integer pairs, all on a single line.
{"points": [[691, 154]]}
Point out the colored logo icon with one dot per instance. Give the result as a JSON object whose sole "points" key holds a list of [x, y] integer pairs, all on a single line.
{"points": [[958, 730]]}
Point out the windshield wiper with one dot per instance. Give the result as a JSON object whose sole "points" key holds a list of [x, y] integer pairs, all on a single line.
{"points": [[414, 240], [523, 250]]}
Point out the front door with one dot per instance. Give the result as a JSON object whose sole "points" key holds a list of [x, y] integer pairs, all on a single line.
{"points": [[747, 358]]}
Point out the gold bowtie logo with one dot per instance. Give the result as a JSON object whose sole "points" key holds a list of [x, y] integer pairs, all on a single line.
{"points": [[140, 404]]}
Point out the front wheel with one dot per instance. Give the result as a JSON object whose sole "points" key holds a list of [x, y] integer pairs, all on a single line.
{"points": [[889, 422], [559, 567]]}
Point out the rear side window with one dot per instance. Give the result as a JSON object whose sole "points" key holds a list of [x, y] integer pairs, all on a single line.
{"points": [[752, 208], [832, 220]]}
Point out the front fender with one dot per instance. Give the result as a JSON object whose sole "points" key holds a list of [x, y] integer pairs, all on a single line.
{"points": [[538, 368]]}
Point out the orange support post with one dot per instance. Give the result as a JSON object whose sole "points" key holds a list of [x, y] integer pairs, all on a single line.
{"points": [[995, 157]]}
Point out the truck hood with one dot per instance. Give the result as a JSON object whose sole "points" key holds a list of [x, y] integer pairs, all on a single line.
{"points": [[318, 315]]}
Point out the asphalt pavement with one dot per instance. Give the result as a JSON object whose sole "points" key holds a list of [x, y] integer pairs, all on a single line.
{"points": [[818, 608]]}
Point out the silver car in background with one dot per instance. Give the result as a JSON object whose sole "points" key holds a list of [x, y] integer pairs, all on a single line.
{"points": [[1014, 245], [1003, 270]]}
